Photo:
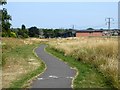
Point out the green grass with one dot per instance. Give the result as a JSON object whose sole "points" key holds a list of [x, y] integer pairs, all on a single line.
{"points": [[19, 63], [25, 52], [19, 83], [88, 77]]}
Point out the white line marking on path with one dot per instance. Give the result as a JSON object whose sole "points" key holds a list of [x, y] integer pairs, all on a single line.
{"points": [[40, 78], [54, 77], [70, 77]]}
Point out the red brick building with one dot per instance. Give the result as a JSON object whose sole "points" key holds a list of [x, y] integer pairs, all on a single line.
{"points": [[89, 33]]}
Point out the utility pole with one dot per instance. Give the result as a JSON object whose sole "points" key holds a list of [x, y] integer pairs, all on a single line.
{"points": [[73, 32], [73, 26], [108, 22]]}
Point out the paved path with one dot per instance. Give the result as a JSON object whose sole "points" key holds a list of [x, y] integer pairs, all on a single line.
{"points": [[57, 75]]}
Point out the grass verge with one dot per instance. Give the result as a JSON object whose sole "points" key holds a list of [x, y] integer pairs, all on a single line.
{"points": [[23, 82], [88, 77], [20, 64]]}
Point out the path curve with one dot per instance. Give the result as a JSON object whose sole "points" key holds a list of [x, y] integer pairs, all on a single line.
{"points": [[57, 75]]}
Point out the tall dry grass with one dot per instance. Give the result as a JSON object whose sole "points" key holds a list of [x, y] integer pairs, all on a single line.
{"points": [[101, 52]]}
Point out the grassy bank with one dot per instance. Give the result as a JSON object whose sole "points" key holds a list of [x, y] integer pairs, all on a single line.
{"points": [[102, 53], [88, 76], [19, 62]]}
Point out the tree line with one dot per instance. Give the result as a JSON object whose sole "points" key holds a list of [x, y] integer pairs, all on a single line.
{"points": [[23, 32]]}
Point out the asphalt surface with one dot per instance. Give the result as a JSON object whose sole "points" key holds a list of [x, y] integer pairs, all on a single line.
{"points": [[57, 75]]}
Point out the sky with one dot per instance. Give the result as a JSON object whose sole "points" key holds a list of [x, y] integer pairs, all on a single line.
{"points": [[62, 0], [63, 14]]}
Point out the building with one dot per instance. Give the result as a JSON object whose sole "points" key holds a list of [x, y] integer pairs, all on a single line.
{"points": [[89, 33]]}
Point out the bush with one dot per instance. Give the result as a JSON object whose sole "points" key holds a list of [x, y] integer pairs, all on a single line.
{"points": [[4, 34], [12, 34], [9, 34], [25, 35]]}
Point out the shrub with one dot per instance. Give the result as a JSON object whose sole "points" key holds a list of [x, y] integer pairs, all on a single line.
{"points": [[4, 34], [12, 34]]}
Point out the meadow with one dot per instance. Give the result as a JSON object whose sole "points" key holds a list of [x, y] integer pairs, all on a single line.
{"points": [[101, 52], [19, 63], [95, 58]]}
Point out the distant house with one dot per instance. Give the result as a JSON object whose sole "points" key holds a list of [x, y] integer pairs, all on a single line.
{"points": [[89, 33]]}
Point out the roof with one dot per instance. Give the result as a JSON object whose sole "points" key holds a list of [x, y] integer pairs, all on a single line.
{"points": [[90, 31]]}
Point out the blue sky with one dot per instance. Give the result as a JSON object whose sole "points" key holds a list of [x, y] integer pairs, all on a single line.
{"points": [[63, 14]]}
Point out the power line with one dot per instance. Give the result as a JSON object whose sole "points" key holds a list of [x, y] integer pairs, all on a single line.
{"points": [[90, 26], [73, 26], [109, 22]]}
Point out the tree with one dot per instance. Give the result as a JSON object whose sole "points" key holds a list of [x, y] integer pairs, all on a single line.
{"points": [[56, 32], [101, 29], [23, 32], [3, 2], [23, 27], [90, 29], [33, 32], [5, 18]]}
